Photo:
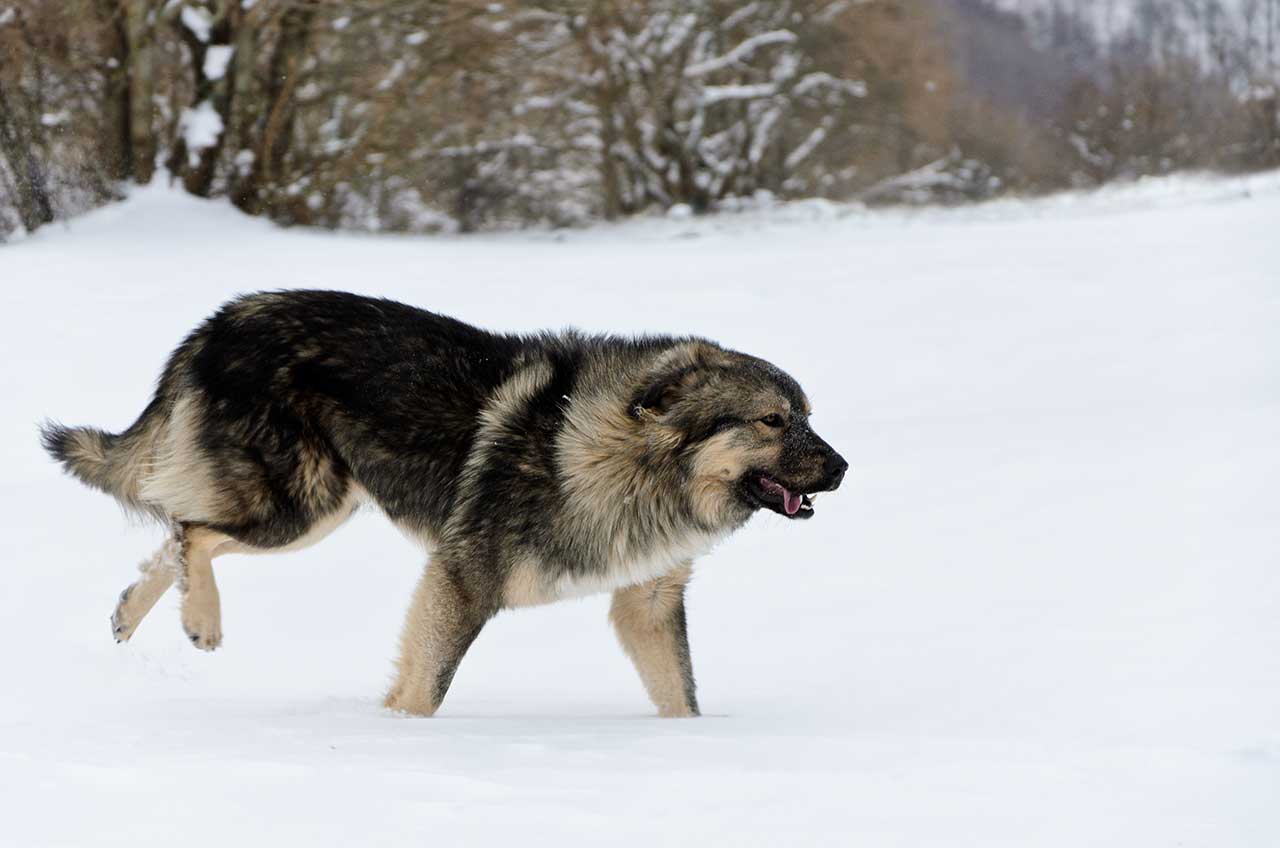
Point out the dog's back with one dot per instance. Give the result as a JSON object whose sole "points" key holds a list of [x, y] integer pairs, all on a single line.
{"points": [[268, 413]]}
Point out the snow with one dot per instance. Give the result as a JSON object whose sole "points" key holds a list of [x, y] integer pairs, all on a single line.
{"points": [[802, 151], [1043, 611], [716, 93], [216, 59], [200, 126], [198, 21], [820, 79], [743, 50]]}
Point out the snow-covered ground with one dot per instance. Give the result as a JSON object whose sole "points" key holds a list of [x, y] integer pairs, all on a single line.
{"points": [[1043, 611]]}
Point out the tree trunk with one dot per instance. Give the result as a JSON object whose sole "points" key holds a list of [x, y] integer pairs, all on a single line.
{"points": [[139, 37], [608, 159], [243, 96], [256, 195], [35, 208], [117, 161]]}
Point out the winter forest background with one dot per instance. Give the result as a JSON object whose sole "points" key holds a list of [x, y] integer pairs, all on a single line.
{"points": [[422, 115]]}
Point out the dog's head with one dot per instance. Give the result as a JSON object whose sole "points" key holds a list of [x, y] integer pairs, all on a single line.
{"points": [[740, 428]]}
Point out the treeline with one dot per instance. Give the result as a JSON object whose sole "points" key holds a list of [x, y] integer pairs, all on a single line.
{"points": [[1099, 91], [421, 115]]}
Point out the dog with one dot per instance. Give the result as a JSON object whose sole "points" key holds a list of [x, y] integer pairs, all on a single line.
{"points": [[533, 468]]}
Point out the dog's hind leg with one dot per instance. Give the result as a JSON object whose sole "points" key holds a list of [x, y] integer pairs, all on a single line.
{"points": [[444, 618], [650, 623], [201, 607], [158, 573]]}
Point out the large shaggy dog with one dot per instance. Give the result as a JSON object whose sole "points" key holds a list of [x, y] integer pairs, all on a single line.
{"points": [[532, 467]]}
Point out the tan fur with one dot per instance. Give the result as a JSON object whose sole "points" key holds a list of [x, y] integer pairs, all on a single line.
{"points": [[178, 479], [605, 485], [690, 353], [596, 453], [313, 484], [609, 489], [507, 399], [525, 586], [119, 470], [181, 482], [202, 611], [640, 569], [201, 606], [435, 624], [158, 574], [641, 618], [718, 465]]}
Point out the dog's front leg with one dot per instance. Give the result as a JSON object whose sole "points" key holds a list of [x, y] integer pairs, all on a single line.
{"points": [[444, 618], [650, 623]]}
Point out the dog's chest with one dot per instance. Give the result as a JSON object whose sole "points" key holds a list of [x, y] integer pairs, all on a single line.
{"points": [[531, 582]]}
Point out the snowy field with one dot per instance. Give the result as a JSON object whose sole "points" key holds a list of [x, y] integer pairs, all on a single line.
{"points": [[1043, 611]]}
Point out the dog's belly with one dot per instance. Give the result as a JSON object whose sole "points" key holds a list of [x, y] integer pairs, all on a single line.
{"points": [[355, 497], [531, 582]]}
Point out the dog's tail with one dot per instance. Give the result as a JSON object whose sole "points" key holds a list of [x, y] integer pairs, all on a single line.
{"points": [[115, 463]]}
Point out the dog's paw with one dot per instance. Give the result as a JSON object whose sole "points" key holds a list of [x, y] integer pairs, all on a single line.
{"points": [[677, 711], [398, 701], [122, 623], [206, 636], [202, 622]]}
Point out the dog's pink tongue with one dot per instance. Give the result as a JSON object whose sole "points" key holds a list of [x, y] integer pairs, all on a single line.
{"points": [[790, 503]]}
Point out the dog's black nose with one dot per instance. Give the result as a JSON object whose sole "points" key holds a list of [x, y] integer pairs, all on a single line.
{"points": [[835, 467]]}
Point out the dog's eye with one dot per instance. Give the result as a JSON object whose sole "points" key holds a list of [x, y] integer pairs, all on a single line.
{"points": [[773, 419]]}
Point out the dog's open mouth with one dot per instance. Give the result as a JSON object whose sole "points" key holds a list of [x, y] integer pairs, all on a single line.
{"points": [[771, 494]]}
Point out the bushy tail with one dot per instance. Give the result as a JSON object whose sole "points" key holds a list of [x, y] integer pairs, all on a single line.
{"points": [[114, 463]]}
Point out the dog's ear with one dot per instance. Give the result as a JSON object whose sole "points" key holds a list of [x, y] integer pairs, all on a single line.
{"points": [[654, 399], [682, 370]]}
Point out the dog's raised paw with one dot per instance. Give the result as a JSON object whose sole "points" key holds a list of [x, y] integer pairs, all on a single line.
{"points": [[122, 625]]}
